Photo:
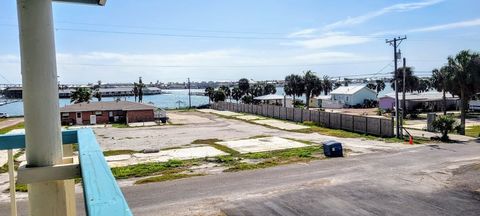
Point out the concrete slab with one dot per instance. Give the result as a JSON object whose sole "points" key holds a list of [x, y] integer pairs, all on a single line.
{"points": [[262, 144], [164, 156], [280, 124], [250, 117], [218, 112], [142, 124], [118, 157], [187, 118]]}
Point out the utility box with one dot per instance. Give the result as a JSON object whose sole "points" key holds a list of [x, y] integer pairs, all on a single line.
{"points": [[430, 119], [332, 148]]}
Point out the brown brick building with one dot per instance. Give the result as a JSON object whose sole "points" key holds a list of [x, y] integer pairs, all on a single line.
{"points": [[104, 112]]}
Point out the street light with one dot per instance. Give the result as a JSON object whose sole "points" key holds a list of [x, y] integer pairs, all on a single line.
{"points": [[95, 2], [41, 110]]}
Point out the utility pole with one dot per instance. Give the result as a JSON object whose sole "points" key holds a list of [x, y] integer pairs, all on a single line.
{"points": [[404, 106], [395, 42], [189, 95]]}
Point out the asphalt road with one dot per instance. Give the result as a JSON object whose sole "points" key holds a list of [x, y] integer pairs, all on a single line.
{"points": [[428, 180]]}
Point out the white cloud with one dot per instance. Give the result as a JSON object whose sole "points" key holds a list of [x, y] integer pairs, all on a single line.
{"points": [[203, 65], [331, 40], [403, 7], [462, 24], [305, 33]]}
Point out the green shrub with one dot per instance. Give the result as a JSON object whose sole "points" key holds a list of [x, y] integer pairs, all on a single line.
{"points": [[445, 124]]}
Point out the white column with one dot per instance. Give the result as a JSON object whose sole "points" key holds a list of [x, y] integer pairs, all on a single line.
{"points": [[41, 107]]}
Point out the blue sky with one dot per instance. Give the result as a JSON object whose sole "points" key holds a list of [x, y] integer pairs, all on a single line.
{"points": [[171, 40]]}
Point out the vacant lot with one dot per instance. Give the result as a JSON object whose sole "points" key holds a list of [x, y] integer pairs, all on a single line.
{"points": [[187, 127]]}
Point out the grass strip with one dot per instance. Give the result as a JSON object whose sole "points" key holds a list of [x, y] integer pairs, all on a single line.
{"points": [[119, 152], [5, 130], [213, 143], [165, 177], [473, 131], [274, 158], [146, 169]]}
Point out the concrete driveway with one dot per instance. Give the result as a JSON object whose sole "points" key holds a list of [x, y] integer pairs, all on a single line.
{"points": [[428, 180]]}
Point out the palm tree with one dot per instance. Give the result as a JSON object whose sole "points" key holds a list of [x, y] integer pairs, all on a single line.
{"points": [[440, 81], [225, 90], [380, 86], [244, 85], [313, 86], [81, 95], [411, 81], [327, 85], [337, 85], [218, 95], [294, 86], [140, 89], [371, 86], [97, 94], [209, 93], [135, 90], [465, 69], [237, 94], [269, 88]]}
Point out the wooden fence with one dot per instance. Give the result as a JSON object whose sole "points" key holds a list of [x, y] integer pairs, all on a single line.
{"points": [[378, 126]]}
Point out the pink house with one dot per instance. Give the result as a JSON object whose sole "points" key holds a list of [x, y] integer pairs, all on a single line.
{"points": [[386, 102]]}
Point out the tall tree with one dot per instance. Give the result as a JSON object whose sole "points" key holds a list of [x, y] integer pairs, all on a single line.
{"points": [[269, 89], [256, 90], [440, 82], [244, 85], [237, 94], [226, 90], [465, 68], [337, 85], [423, 85], [97, 94], [218, 95], [209, 92], [372, 86], [380, 84], [140, 89], [135, 90], [411, 81], [313, 86], [294, 85], [327, 85], [80, 95]]}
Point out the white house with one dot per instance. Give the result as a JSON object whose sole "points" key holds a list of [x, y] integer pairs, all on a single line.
{"points": [[349, 96]]}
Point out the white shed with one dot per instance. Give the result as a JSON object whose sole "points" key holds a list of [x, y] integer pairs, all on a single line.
{"points": [[353, 95]]}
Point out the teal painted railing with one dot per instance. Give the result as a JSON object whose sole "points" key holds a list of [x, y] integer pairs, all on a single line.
{"points": [[101, 193]]}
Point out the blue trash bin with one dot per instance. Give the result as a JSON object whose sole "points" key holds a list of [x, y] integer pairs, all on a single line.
{"points": [[332, 148]]}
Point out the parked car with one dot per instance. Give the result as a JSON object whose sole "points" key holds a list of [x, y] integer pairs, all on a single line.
{"points": [[3, 115]]}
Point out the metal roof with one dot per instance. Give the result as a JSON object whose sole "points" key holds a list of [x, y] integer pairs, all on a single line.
{"points": [[270, 97], [349, 90], [424, 96], [106, 106]]}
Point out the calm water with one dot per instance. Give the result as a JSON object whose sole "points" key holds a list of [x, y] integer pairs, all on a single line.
{"points": [[169, 100]]}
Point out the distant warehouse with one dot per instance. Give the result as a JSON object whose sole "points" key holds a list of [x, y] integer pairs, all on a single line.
{"points": [[104, 112]]}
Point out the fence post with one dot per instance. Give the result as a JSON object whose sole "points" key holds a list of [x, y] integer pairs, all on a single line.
{"points": [[329, 123], [353, 123], [366, 125], [380, 124], [341, 120], [301, 116]]}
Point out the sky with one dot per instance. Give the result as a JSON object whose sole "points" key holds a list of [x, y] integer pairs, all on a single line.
{"points": [[218, 40]]}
